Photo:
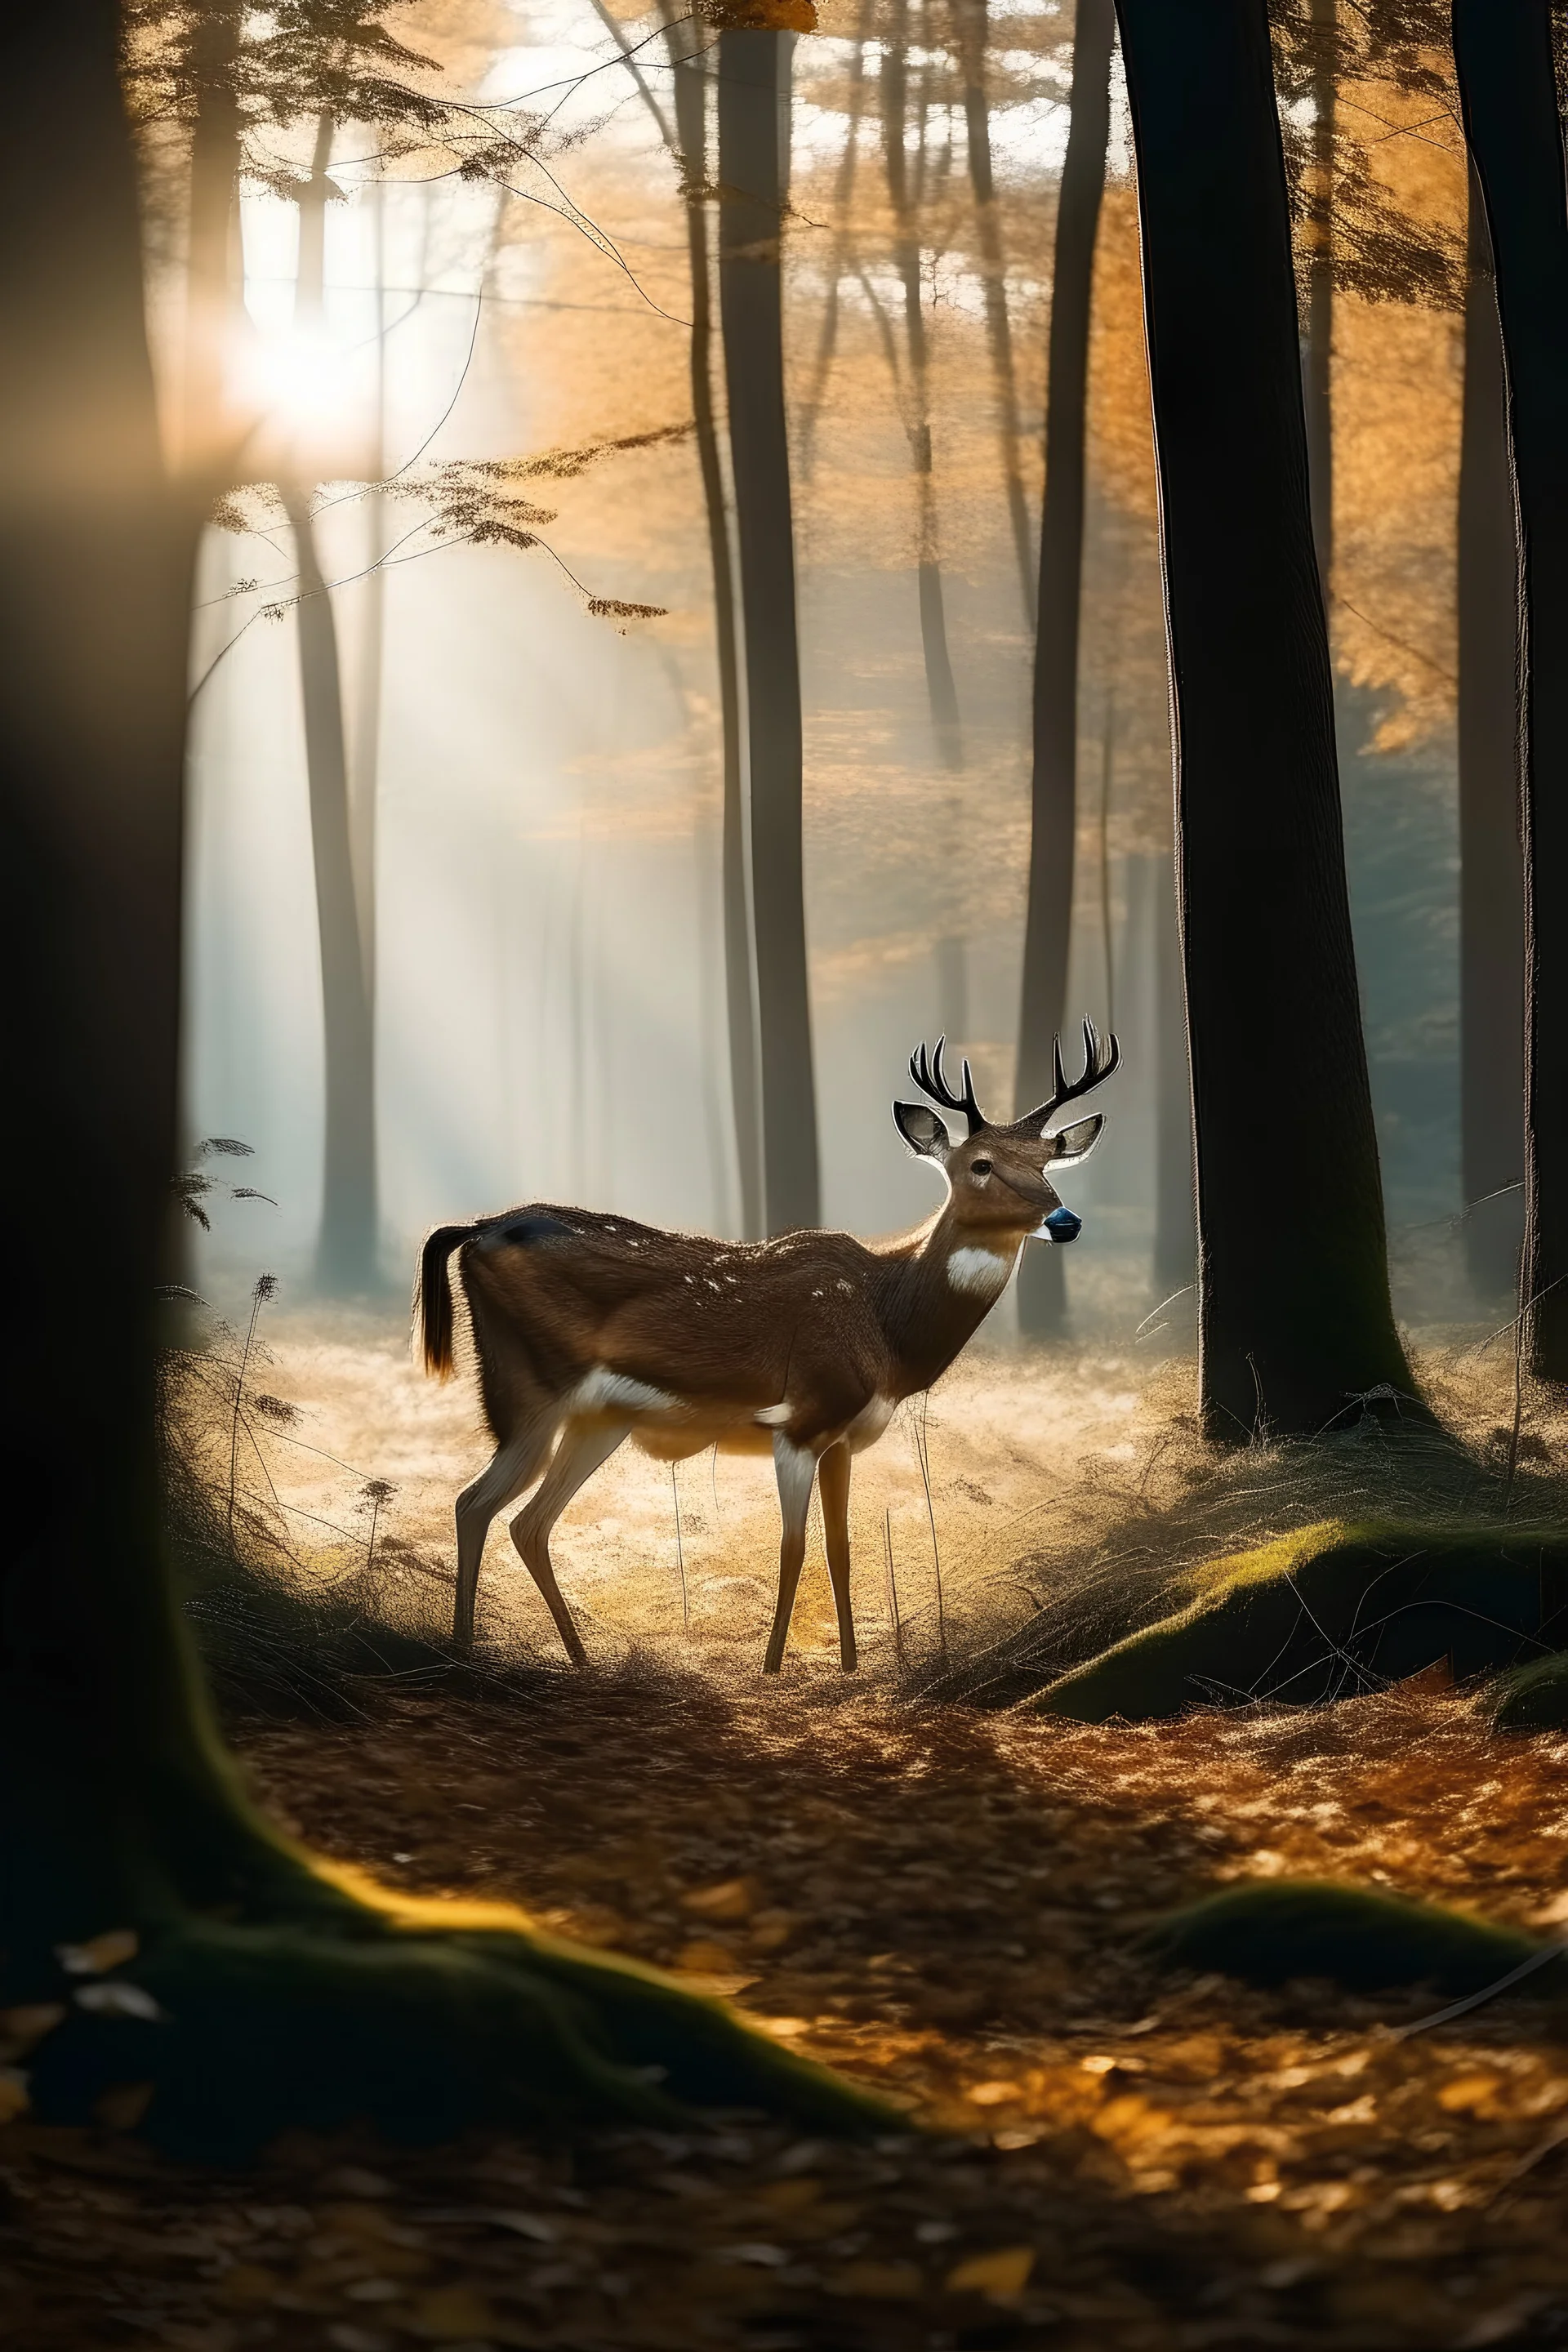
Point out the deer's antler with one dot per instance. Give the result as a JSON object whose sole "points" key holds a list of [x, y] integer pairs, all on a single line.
{"points": [[931, 1079], [1100, 1057]]}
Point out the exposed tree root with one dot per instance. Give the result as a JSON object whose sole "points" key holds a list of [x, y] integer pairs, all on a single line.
{"points": [[1330, 1611], [1313, 1928], [421, 2020]]}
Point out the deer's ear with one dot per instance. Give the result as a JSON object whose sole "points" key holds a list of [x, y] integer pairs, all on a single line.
{"points": [[921, 1130], [1074, 1144]]}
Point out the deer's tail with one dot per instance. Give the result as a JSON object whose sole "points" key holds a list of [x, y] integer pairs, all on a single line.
{"points": [[433, 1297]]}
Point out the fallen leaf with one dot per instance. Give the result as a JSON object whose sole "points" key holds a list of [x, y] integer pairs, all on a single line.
{"points": [[705, 1958], [1463, 2092], [109, 1950], [732, 1898], [993, 2095], [21, 2029], [1004, 2272]]}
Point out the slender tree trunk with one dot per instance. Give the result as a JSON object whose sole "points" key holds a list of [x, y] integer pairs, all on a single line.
{"points": [[843, 239], [941, 690], [1491, 868], [1316, 373], [1176, 1233], [210, 291], [690, 82], [1295, 1314], [754, 169], [1507, 91], [1047, 924], [364, 774], [973, 30], [346, 1246]]}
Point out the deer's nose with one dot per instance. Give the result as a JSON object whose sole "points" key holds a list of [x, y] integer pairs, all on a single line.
{"points": [[1063, 1226]]}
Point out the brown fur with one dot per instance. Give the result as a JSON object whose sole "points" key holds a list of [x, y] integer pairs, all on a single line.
{"points": [[589, 1328]]}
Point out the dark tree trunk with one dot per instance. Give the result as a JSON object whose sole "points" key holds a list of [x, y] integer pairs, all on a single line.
{"points": [[1295, 1313], [941, 690], [1491, 868], [347, 1243], [690, 81], [1176, 1230], [753, 172], [972, 17], [1047, 926], [1507, 91], [1318, 357], [280, 1998]]}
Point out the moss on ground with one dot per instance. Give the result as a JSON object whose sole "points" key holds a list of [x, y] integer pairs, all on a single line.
{"points": [[1313, 1928], [1533, 1697], [1328, 1611]]}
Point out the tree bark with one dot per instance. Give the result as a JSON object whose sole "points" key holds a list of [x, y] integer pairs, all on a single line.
{"points": [[1491, 868], [1317, 355], [276, 1996], [973, 27], [754, 170], [1295, 1319], [941, 692], [689, 76], [348, 1239], [1509, 96], [1175, 1234], [1048, 925]]}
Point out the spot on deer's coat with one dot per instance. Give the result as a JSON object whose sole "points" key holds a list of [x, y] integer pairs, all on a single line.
{"points": [[979, 1271]]}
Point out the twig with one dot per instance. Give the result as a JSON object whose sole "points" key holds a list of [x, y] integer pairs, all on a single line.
{"points": [[919, 1428], [680, 1555], [265, 1287], [893, 1593]]}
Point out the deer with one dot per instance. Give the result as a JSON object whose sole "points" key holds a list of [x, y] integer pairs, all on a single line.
{"points": [[589, 1328]]}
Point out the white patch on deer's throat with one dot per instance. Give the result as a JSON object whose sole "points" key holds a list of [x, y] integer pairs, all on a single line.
{"points": [[979, 1271], [602, 1390], [772, 1416]]}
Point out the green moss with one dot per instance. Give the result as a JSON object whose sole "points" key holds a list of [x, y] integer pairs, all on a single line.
{"points": [[1327, 1611], [420, 2035], [1533, 1697], [1310, 1928]]}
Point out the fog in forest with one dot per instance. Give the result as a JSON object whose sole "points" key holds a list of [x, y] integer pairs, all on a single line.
{"points": [[535, 789]]}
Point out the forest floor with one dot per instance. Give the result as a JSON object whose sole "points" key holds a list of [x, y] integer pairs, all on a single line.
{"points": [[947, 1904]]}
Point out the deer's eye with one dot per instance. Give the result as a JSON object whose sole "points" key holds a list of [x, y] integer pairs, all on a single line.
{"points": [[980, 1167]]}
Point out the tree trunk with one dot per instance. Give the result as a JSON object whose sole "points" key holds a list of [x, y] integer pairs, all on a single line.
{"points": [[754, 171], [272, 1997], [1491, 870], [364, 775], [941, 690], [347, 1243], [689, 76], [1048, 925], [1296, 1320], [210, 291], [1176, 1235], [843, 239], [1507, 92], [1318, 357], [973, 27]]}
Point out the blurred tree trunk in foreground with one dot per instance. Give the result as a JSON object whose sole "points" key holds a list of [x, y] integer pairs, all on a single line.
{"points": [[1047, 928], [1507, 92], [346, 1245], [689, 76], [211, 296], [1295, 1319], [246, 1991], [1492, 872], [753, 172]]}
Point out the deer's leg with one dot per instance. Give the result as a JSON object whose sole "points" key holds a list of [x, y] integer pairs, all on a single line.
{"points": [[517, 1464], [795, 1466], [581, 1451], [833, 1470]]}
